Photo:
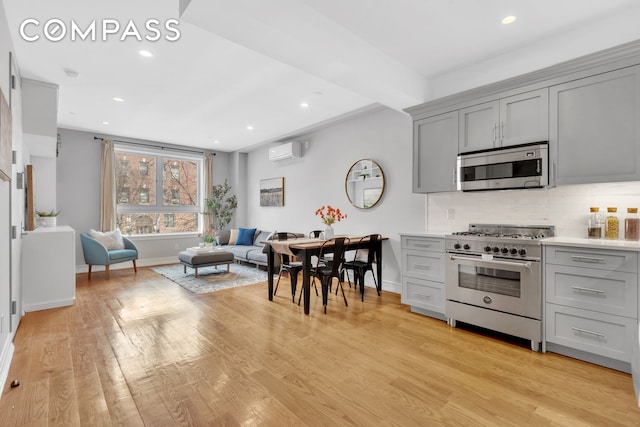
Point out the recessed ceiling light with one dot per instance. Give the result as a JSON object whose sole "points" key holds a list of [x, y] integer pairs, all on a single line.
{"points": [[145, 53], [71, 73], [105, 122], [216, 142], [508, 19], [117, 99], [249, 127], [304, 105]]}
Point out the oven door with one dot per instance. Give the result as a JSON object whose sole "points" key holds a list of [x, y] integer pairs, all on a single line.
{"points": [[510, 286]]}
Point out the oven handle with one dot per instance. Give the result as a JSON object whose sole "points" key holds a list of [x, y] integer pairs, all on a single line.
{"points": [[492, 261]]}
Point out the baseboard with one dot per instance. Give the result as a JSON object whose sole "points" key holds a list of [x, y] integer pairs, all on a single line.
{"points": [[388, 286], [393, 287], [5, 361], [589, 357], [48, 304], [148, 262]]}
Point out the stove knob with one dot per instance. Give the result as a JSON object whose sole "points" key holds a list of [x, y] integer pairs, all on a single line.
{"points": [[513, 251], [522, 252], [466, 246], [487, 248], [504, 250], [456, 246], [496, 249]]}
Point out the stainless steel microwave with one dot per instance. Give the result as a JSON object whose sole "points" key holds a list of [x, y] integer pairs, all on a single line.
{"points": [[516, 166]]}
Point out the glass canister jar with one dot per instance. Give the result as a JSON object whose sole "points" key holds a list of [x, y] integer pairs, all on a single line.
{"points": [[612, 224], [632, 225], [595, 227]]}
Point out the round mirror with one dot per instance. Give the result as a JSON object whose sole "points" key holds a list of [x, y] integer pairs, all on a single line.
{"points": [[364, 184]]}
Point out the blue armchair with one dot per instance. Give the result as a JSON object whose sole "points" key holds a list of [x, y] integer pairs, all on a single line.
{"points": [[95, 253]]}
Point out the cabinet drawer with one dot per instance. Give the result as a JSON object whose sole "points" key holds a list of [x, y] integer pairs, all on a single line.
{"points": [[423, 243], [596, 333], [423, 265], [603, 291], [423, 293], [591, 258]]}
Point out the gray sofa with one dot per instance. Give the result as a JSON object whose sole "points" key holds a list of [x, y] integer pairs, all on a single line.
{"points": [[254, 254]]}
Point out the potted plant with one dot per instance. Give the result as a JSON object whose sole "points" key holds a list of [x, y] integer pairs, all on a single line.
{"points": [[47, 219], [220, 206]]}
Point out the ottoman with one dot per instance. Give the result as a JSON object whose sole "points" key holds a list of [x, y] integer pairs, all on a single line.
{"points": [[206, 259]]}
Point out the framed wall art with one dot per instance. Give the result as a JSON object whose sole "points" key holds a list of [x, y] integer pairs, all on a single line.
{"points": [[272, 192]]}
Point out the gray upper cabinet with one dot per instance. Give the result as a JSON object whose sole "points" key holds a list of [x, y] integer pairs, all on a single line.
{"points": [[435, 143], [516, 119], [595, 125]]}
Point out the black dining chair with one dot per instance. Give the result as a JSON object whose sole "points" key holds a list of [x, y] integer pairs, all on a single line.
{"points": [[362, 262], [327, 272], [288, 265], [315, 233]]}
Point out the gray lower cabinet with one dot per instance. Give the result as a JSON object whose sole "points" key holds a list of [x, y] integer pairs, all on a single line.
{"points": [[423, 271], [595, 127], [511, 120], [435, 144], [591, 309]]}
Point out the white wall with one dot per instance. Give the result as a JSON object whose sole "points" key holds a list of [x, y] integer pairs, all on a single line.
{"points": [[40, 117], [44, 183], [78, 197], [566, 207], [318, 178]]}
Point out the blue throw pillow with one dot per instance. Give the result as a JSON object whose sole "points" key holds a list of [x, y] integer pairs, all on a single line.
{"points": [[245, 236]]}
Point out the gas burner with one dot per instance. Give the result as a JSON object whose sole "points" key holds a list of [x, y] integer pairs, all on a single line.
{"points": [[502, 241]]}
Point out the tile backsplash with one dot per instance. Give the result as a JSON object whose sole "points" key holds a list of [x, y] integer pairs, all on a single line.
{"points": [[565, 207]]}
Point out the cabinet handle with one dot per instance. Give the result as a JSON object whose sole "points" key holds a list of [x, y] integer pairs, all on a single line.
{"points": [[422, 245], [502, 132], [585, 331], [455, 183], [580, 288], [494, 132], [587, 259], [422, 267], [425, 296]]}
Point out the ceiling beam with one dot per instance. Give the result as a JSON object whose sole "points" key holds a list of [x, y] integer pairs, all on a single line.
{"points": [[294, 33]]}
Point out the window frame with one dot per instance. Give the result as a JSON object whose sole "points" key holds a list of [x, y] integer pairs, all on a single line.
{"points": [[159, 155]]}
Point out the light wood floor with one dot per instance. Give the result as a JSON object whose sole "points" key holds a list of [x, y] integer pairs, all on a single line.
{"points": [[140, 350]]}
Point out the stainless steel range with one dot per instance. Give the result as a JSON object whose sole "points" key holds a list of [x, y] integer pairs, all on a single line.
{"points": [[493, 278]]}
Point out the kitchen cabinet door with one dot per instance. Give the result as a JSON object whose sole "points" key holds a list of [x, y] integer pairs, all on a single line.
{"points": [[595, 127], [435, 144], [524, 118], [478, 127], [512, 120]]}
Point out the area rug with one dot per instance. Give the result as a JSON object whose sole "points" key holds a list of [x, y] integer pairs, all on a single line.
{"points": [[211, 279]]}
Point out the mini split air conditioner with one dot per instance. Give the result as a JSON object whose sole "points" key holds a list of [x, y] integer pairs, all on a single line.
{"points": [[288, 150]]}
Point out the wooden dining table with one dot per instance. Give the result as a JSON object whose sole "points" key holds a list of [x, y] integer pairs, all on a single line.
{"points": [[305, 248]]}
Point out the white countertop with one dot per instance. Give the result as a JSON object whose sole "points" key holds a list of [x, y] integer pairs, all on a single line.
{"points": [[593, 243], [436, 234]]}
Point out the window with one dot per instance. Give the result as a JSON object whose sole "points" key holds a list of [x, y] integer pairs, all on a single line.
{"points": [[157, 192], [175, 196], [144, 167], [169, 220], [123, 195]]}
